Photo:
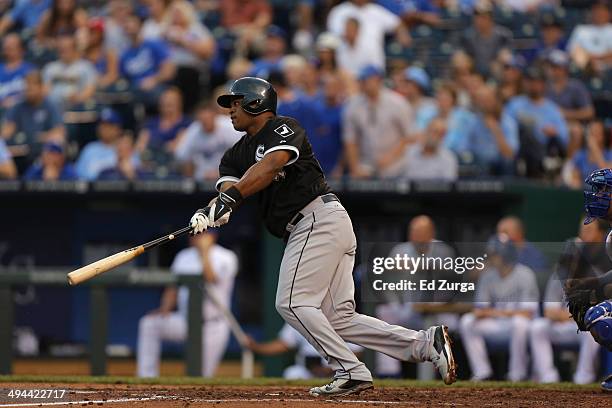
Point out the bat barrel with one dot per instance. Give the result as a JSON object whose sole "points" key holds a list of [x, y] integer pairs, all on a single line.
{"points": [[89, 271]]}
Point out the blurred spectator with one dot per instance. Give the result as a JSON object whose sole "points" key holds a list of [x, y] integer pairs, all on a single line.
{"points": [[71, 80], [527, 253], [145, 64], [538, 113], [458, 119], [310, 83], [25, 14], [461, 72], [153, 27], [551, 38], [7, 167], [63, 18], [119, 12], [557, 327], [326, 140], [101, 154], [12, 71], [273, 51], [492, 137], [127, 167], [104, 59], [568, 93], [293, 67], [303, 36], [246, 20], [32, 122], [161, 135], [485, 40], [511, 77], [414, 84], [506, 300], [363, 25], [590, 45], [592, 156], [428, 159], [527, 6], [52, 165], [374, 135], [237, 68], [204, 143], [416, 12], [327, 60], [191, 45]]}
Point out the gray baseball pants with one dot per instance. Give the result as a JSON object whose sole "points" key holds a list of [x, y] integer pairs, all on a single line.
{"points": [[315, 295]]}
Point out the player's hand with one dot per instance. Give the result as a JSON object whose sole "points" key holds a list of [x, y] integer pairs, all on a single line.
{"points": [[199, 221]]}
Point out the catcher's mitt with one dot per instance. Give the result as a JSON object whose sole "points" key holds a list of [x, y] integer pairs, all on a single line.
{"points": [[578, 302]]}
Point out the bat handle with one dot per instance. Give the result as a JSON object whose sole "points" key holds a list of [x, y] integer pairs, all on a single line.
{"points": [[166, 238]]}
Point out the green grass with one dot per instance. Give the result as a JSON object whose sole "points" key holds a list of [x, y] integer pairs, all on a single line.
{"points": [[279, 382]]}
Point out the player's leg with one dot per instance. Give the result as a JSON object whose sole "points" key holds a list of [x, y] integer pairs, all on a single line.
{"points": [[395, 341], [152, 330], [518, 348], [215, 337], [309, 262], [473, 333], [541, 349]]}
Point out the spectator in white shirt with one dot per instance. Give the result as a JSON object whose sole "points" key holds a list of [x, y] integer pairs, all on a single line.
{"points": [[591, 44], [374, 22], [204, 143]]}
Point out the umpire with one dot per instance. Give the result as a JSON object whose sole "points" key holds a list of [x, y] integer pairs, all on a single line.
{"points": [[315, 293]]}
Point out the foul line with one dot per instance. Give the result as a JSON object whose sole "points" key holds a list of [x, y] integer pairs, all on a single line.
{"points": [[49, 404]]}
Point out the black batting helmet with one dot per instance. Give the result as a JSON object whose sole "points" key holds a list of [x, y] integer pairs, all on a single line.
{"points": [[258, 95]]}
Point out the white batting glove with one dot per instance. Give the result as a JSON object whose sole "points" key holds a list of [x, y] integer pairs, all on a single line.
{"points": [[199, 222]]}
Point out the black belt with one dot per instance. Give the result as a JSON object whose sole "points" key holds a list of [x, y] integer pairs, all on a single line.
{"points": [[327, 198]]}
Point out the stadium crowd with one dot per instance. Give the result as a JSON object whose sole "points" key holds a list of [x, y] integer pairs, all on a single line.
{"points": [[416, 89]]}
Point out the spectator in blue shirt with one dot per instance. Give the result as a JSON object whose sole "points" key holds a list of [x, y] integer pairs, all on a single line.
{"points": [[273, 51], [493, 137], [32, 122], [538, 113], [594, 155], [551, 38], [458, 119], [52, 165], [99, 155], [326, 140], [126, 167], [161, 135], [145, 64], [12, 71], [25, 14], [7, 167]]}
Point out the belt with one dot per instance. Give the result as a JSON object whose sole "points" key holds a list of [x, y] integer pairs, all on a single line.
{"points": [[327, 198]]}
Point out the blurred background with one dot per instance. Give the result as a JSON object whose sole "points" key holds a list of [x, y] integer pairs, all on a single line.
{"points": [[466, 111]]}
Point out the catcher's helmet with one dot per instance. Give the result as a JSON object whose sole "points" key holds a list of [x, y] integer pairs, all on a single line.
{"points": [[258, 96], [598, 194]]}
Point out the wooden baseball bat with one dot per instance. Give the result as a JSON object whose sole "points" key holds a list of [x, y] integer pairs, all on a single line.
{"points": [[106, 264]]}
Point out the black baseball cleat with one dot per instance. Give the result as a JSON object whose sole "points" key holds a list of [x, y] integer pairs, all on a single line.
{"points": [[340, 386], [442, 355]]}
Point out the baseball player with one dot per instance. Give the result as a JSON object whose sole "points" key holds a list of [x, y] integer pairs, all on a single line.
{"points": [[218, 266], [598, 318], [506, 300], [274, 162]]}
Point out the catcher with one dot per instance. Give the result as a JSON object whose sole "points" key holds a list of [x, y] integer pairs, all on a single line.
{"points": [[589, 299]]}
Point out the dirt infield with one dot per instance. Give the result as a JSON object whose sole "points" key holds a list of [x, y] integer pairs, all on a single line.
{"points": [[189, 396]]}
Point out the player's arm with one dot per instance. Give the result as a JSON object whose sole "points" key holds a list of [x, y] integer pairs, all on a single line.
{"points": [[168, 301], [270, 348], [261, 174]]}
